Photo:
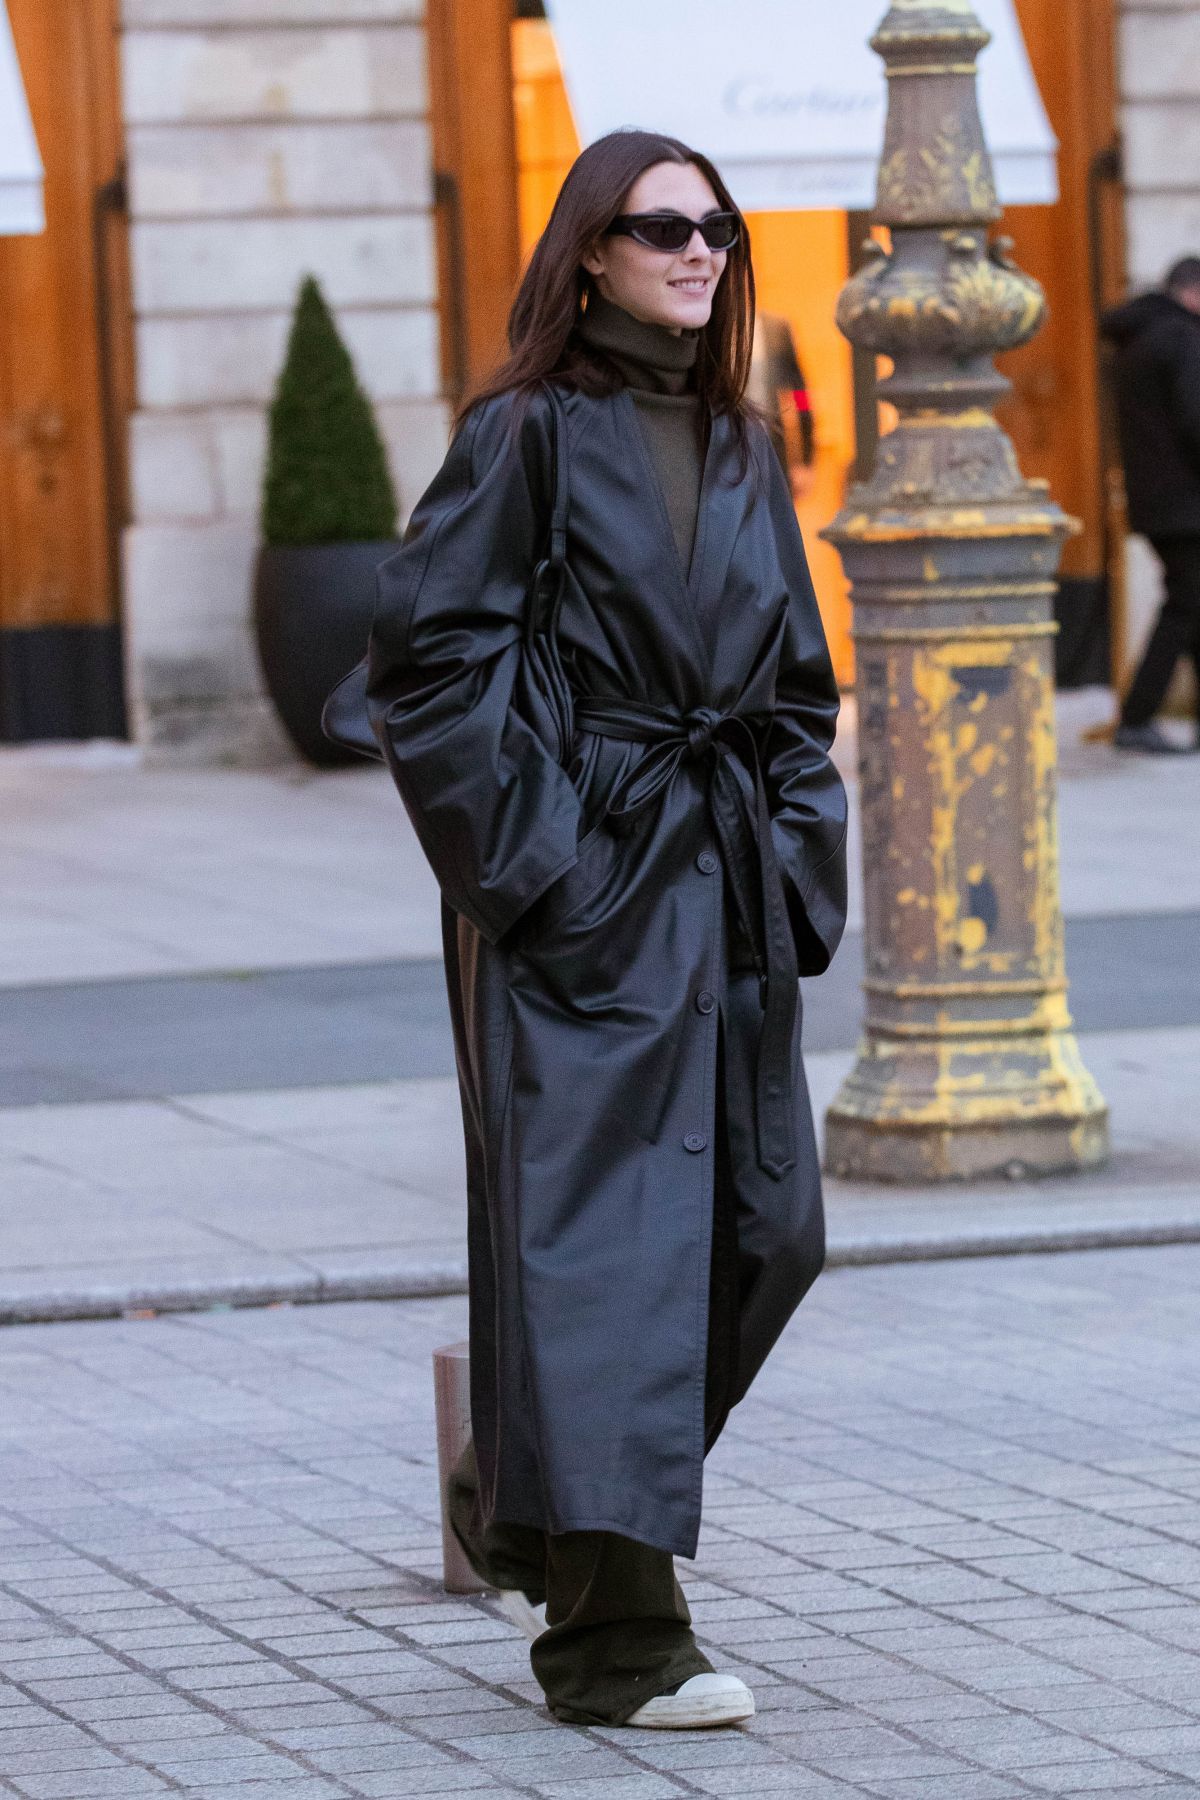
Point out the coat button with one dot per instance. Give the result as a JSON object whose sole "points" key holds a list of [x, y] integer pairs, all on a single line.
{"points": [[695, 1141], [705, 1001], [707, 863]]}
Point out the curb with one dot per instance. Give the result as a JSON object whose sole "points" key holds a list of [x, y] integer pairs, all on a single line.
{"points": [[117, 1300], [424, 1281], [1122, 1234]]}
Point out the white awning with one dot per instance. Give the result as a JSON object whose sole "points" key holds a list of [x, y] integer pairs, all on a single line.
{"points": [[20, 164], [786, 96]]}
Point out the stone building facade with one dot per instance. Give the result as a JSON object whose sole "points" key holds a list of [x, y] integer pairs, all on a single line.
{"points": [[266, 139]]}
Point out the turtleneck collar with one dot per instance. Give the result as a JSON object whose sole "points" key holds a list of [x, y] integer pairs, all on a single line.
{"points": [[649, 357]]}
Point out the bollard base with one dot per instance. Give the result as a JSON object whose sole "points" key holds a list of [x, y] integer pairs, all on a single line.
{"points": [[918, 1154], [966, 1108]]}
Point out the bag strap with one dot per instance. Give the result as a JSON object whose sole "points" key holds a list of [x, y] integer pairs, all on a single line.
{"points": [[545, 589], [562, 484]]}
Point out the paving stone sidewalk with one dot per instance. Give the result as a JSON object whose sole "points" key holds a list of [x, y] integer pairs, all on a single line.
{"points": [[125, 890], [315, 1194], [114, 870], [952, 1540]]}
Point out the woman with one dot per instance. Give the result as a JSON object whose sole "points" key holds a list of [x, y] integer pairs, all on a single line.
{"points": [[624, 920]]}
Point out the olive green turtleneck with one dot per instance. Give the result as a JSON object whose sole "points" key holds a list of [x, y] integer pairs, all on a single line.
{"points": [[656, 366]]}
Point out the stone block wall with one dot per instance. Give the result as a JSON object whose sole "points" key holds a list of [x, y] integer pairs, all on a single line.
{"points": [[1160, 123], [266, 139]]}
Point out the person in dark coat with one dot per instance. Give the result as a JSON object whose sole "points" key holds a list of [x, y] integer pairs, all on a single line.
{"points": [[629, 899], [1157, 337], [776, 384]]}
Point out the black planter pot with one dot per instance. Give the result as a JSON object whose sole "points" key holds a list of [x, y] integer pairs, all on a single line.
{"points": [[312, 613]]}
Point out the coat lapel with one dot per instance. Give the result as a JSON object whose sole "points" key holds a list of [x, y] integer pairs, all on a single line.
{"points": [[722, 513]]}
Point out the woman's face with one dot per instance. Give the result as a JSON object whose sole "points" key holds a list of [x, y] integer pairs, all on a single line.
{"points": [[662, 287]]}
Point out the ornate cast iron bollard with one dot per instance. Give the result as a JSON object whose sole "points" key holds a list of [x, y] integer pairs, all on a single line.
{"points": [[967, 1066]]}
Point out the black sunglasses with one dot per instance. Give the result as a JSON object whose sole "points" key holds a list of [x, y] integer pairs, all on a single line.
{"points": [[673, 231]]}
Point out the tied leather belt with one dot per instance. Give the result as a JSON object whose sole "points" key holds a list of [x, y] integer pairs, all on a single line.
{"points": [[744, 834]]}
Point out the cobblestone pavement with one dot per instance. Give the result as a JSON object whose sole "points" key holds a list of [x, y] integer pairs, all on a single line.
{"points": [[952, 1540]]}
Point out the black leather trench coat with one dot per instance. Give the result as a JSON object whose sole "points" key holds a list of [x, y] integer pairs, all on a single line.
{"points": [[620, 933]]}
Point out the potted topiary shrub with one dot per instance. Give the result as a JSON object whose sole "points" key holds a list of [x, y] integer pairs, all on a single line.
{"points": [[328, 521]]}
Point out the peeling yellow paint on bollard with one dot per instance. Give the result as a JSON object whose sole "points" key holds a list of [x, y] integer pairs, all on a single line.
{"points": [[967, 1065]]}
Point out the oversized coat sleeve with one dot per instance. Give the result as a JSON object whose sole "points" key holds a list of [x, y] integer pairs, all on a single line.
{"points": [[807, 795], [495, 813]]}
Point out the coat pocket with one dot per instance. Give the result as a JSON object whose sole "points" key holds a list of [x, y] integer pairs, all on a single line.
{"points": [[596, 995], [572, 891]]}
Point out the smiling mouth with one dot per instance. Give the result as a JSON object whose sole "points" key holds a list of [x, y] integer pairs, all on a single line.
{"points": [[693, 285]]}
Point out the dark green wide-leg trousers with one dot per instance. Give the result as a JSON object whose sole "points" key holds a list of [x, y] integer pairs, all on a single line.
{"points": [[618, 1627]]}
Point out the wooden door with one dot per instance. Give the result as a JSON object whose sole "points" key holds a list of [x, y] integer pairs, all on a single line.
{"points": [[475, 164], [64, 371]]}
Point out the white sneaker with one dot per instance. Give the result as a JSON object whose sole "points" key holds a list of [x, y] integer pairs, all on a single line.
{"points": [[704, 1700], [521, 1612]]}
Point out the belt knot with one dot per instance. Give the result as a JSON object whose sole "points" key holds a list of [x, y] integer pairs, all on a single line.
{"points": [[743, 828], [701, 725]]}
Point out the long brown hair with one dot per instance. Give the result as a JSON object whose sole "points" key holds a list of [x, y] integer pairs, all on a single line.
{"points": [[555, 285]]}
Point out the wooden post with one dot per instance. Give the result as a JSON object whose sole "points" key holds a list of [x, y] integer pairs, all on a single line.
{"points": [[452, 1408]]}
